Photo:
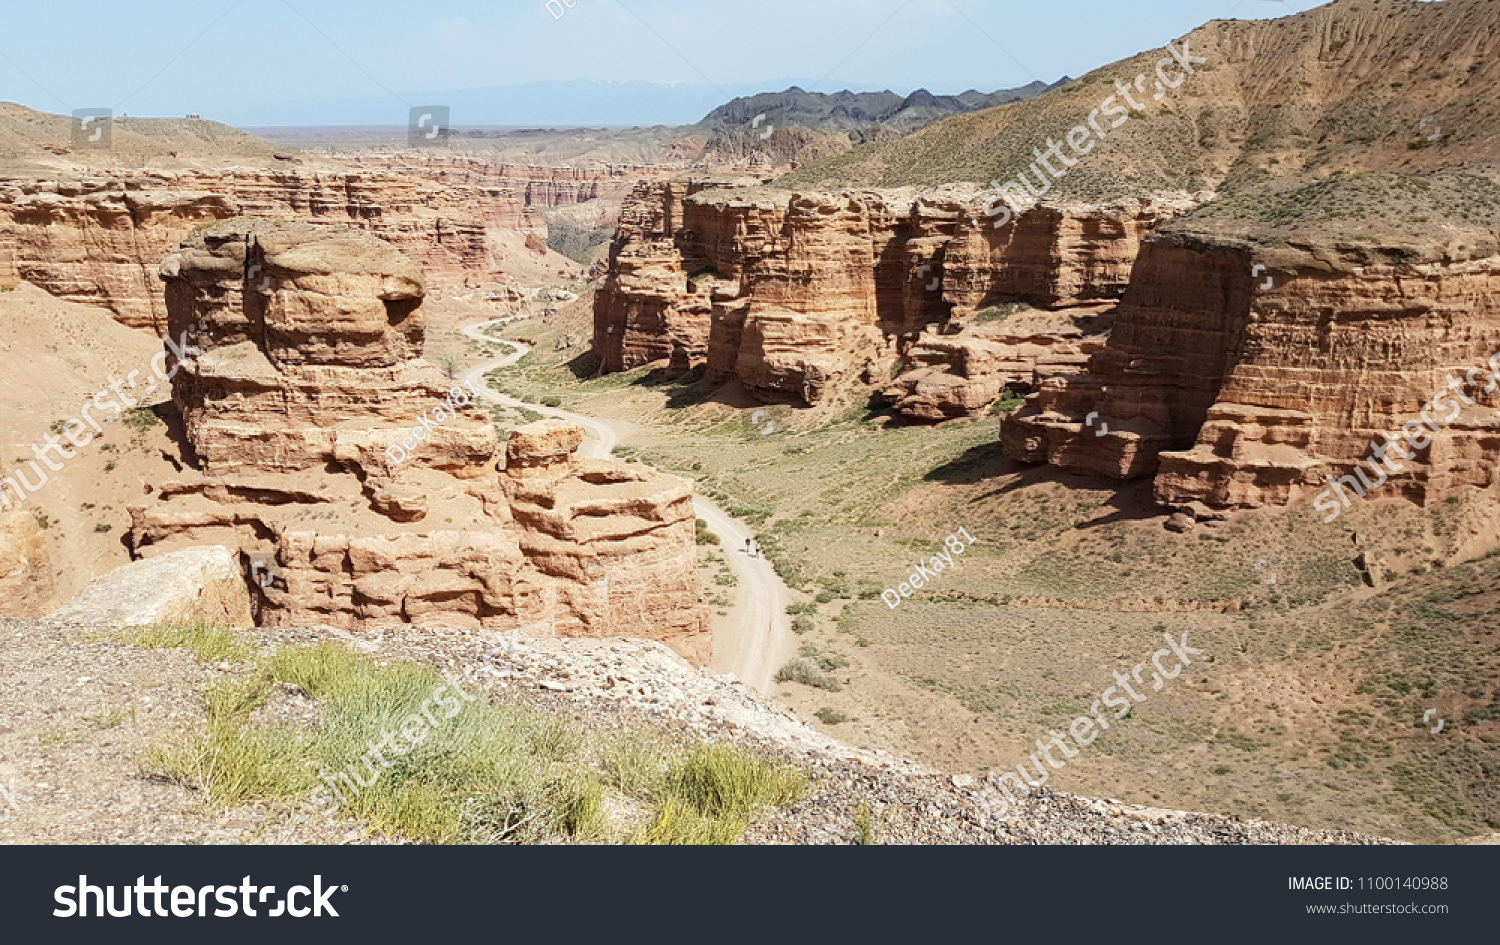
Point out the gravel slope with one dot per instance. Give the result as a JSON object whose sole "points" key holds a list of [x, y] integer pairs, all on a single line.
{"points": [[76, 779]]}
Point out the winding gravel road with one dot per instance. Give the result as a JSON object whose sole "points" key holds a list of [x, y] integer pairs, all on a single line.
{"points": [[756, 637]]}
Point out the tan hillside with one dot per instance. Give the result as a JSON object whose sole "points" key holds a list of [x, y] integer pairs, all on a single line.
{"points": [[1346, 86], [28, 136]]}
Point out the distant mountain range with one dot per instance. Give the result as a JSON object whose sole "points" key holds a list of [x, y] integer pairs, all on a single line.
{"points": [[855, 110]]}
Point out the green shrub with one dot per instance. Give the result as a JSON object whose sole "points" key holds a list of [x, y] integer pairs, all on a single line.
{"points": [[830, 716], [488, 774], [754, 514], [637, 763], [1000, 313], [209, 643], [1009, 402], [808, 672], [722, 781], [801, 625], [576, 242], [677, 823], [826, 661], [702, 535], [714, 791], [140, 419], [837, 587], [869, 825]]}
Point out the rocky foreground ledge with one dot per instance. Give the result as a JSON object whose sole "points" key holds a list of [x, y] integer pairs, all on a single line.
{"points": [[612, 683], [77, 710]]}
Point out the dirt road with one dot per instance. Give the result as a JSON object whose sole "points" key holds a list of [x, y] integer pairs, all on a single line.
{"points": [[755, 638]]}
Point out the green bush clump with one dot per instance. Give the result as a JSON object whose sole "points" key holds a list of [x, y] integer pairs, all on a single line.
{"points": [[702, 535], [808, 672]]}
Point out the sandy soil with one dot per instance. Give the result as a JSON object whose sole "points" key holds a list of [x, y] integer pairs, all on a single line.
{"points": [[56, 355]]}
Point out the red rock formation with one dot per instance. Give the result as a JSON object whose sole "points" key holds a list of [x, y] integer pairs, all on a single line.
{"points": [[99, 239], [961, 374], [1237, 395], [620, 540], [536, 185], [303, 366], [1333, 356], [788, 292], [1051, 255], [1153, 384], [310, 342]]}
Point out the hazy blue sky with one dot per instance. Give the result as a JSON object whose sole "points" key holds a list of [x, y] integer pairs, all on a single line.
{"points": [[249, 61]]}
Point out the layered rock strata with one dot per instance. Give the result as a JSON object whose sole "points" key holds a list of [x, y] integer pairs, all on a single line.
{"points": [[302, 368], [306, 348], [1243, 376], [537, 186], [790, 292], [99, 239], [959, 375]]}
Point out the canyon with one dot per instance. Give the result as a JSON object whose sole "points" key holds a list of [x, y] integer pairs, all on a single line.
{"points": [[1240, 287], [1212, 320], [1153, 349]]}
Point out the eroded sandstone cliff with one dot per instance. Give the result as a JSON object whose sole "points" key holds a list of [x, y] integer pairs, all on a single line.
{"points": [[1246, 370], [790, 293], [98, 238], [956, 375], [359, 486]]}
